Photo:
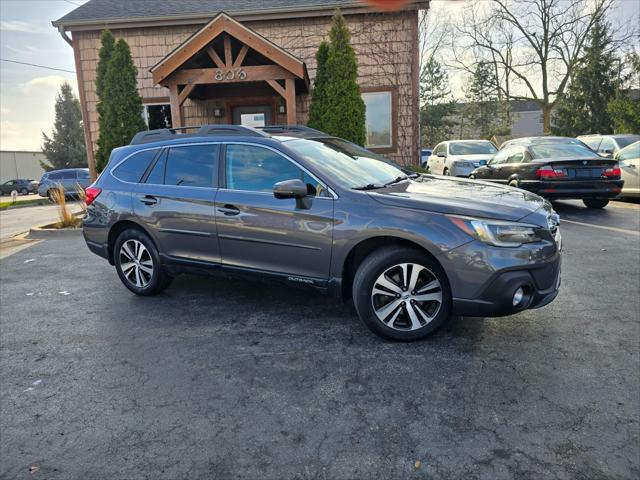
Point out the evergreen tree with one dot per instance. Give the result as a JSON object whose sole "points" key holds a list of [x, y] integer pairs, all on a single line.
{"points": [[584, 109], [65, 148], [121, 116], [436, 104], [625, 110], [482, 108], [106, 51], [319, 95], [345, 110]]}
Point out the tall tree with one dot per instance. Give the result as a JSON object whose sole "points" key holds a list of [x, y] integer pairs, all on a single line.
{"points": [[535, 45], [121, 116], [319, 95], [106, 51], [593, 85], [482, 100], [65, 148], [345, 110], [436, 103], [625, 108]]}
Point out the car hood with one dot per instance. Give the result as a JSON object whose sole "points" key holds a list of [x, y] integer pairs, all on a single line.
{"points": [[460, 197], [472, 158]]}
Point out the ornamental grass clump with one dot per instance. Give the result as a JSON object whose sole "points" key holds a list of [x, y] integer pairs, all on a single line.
{"points": [[67, 219]]}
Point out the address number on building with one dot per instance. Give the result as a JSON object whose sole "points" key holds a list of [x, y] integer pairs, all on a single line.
{"points": [[230, 75]]}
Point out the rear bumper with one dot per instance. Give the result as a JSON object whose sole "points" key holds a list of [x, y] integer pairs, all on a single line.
{"points": [[574, 189]]}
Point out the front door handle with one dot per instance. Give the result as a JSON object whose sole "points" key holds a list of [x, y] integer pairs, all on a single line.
{"points": [[149, 200], [229, 210]]}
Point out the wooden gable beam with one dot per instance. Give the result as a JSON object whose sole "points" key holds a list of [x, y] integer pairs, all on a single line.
{"points": [[228, 59], [198, 76], [224, 24], [264, 47], [184, 94], [241, 56], [215, 57], [278, 88]]}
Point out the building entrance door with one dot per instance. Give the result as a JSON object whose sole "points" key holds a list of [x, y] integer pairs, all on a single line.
{"points": [[252, 116]]}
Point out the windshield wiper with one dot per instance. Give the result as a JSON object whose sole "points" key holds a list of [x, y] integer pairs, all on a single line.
{"points": [[397, 180], [371, 186]]}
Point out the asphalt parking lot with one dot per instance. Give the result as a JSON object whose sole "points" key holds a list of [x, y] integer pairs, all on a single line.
{"points": [[229, 378]]}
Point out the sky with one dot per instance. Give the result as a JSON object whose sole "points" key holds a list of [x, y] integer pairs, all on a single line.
{"points": [[27, 94]]}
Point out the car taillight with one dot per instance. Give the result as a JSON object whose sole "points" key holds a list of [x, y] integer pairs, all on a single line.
{"points": [[550, 172], [613, 172], [91, 193]]}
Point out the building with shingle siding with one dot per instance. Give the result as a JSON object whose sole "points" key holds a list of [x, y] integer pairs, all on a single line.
{"points": [[251, 62]]}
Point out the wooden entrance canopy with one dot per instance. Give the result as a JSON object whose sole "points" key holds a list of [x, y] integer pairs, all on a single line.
{"points": [[226, 52]]}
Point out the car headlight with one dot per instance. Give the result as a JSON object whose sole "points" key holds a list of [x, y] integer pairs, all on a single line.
{"points": [[498, 233]]}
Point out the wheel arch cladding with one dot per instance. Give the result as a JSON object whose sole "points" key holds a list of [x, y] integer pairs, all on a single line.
{"points": [[365, 247]]}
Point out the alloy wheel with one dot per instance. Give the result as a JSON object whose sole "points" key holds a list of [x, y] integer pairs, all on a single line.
{"points": [[136, 263], [406, 297]]}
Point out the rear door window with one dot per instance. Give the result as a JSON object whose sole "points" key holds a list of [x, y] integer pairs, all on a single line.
{"points": [[132, 169], [191, 166]]}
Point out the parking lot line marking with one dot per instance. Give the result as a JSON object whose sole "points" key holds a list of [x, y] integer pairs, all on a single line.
{"points": [[613, 229]]}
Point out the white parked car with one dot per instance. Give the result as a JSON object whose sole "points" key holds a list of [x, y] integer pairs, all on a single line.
{"points": [[459, 158], [629, 160]]}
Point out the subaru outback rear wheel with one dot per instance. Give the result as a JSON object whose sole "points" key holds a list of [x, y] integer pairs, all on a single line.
{"points": [[401, 294], [138, 264]]}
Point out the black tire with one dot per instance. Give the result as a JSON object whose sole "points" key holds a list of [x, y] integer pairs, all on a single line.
{"points": [[24, 191], [595, 202], [159, 278], [368, 273]]}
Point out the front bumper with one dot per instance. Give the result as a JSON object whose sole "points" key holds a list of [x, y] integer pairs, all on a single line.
{"points": [[462, 170], [484, 279], [574, 189], [497, 298]]}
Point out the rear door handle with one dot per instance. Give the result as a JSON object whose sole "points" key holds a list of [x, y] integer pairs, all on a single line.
{"points": [[229, 210], [149, 200]]}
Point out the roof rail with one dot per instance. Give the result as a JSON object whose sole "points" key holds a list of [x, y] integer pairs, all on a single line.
{"points": [[289, 128], [160, 134]]}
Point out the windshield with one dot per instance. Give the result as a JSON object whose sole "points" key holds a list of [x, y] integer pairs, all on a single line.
{"points": [[624, 141], [472, 148], [561, 150], [348, 165]]}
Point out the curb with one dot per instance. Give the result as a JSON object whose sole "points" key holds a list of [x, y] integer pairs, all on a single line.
{"points": [[43, 232]]}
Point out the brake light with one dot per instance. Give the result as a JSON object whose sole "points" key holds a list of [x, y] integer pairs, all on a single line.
{"points": [[91, 193], [613, 172], [549, 172]]}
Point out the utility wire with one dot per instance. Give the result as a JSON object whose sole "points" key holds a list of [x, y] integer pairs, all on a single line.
{"points": [[72, 3], [36, 65]]}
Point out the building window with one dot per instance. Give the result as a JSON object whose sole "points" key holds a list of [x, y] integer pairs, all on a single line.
{"points": [[379, 119], [157, 115]]}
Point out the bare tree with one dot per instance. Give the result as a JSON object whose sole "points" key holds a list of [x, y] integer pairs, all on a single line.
{"points": [[534, 45]]}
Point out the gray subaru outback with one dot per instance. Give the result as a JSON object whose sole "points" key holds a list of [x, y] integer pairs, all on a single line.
{"points": [[294, 204]]}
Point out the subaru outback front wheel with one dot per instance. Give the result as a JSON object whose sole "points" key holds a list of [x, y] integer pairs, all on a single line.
{"points": [[138, 263], [401, 294]]}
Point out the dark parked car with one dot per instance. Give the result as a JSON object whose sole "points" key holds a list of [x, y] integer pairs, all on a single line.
{"points": [[554, 171], [22, 186], [68, 178], [609, 145], [545, 139], [308, 209]]}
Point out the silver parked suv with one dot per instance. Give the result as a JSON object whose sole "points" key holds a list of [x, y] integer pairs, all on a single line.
{"points": [[295, 204], [68, 178]]}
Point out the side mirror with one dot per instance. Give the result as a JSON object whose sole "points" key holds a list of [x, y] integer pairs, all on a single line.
{"points": [[482, 163], [442, 155], [290, 189], [293, 189]]}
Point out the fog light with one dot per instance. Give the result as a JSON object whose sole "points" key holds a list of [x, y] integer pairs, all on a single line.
{"points": [[518, 296]]}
